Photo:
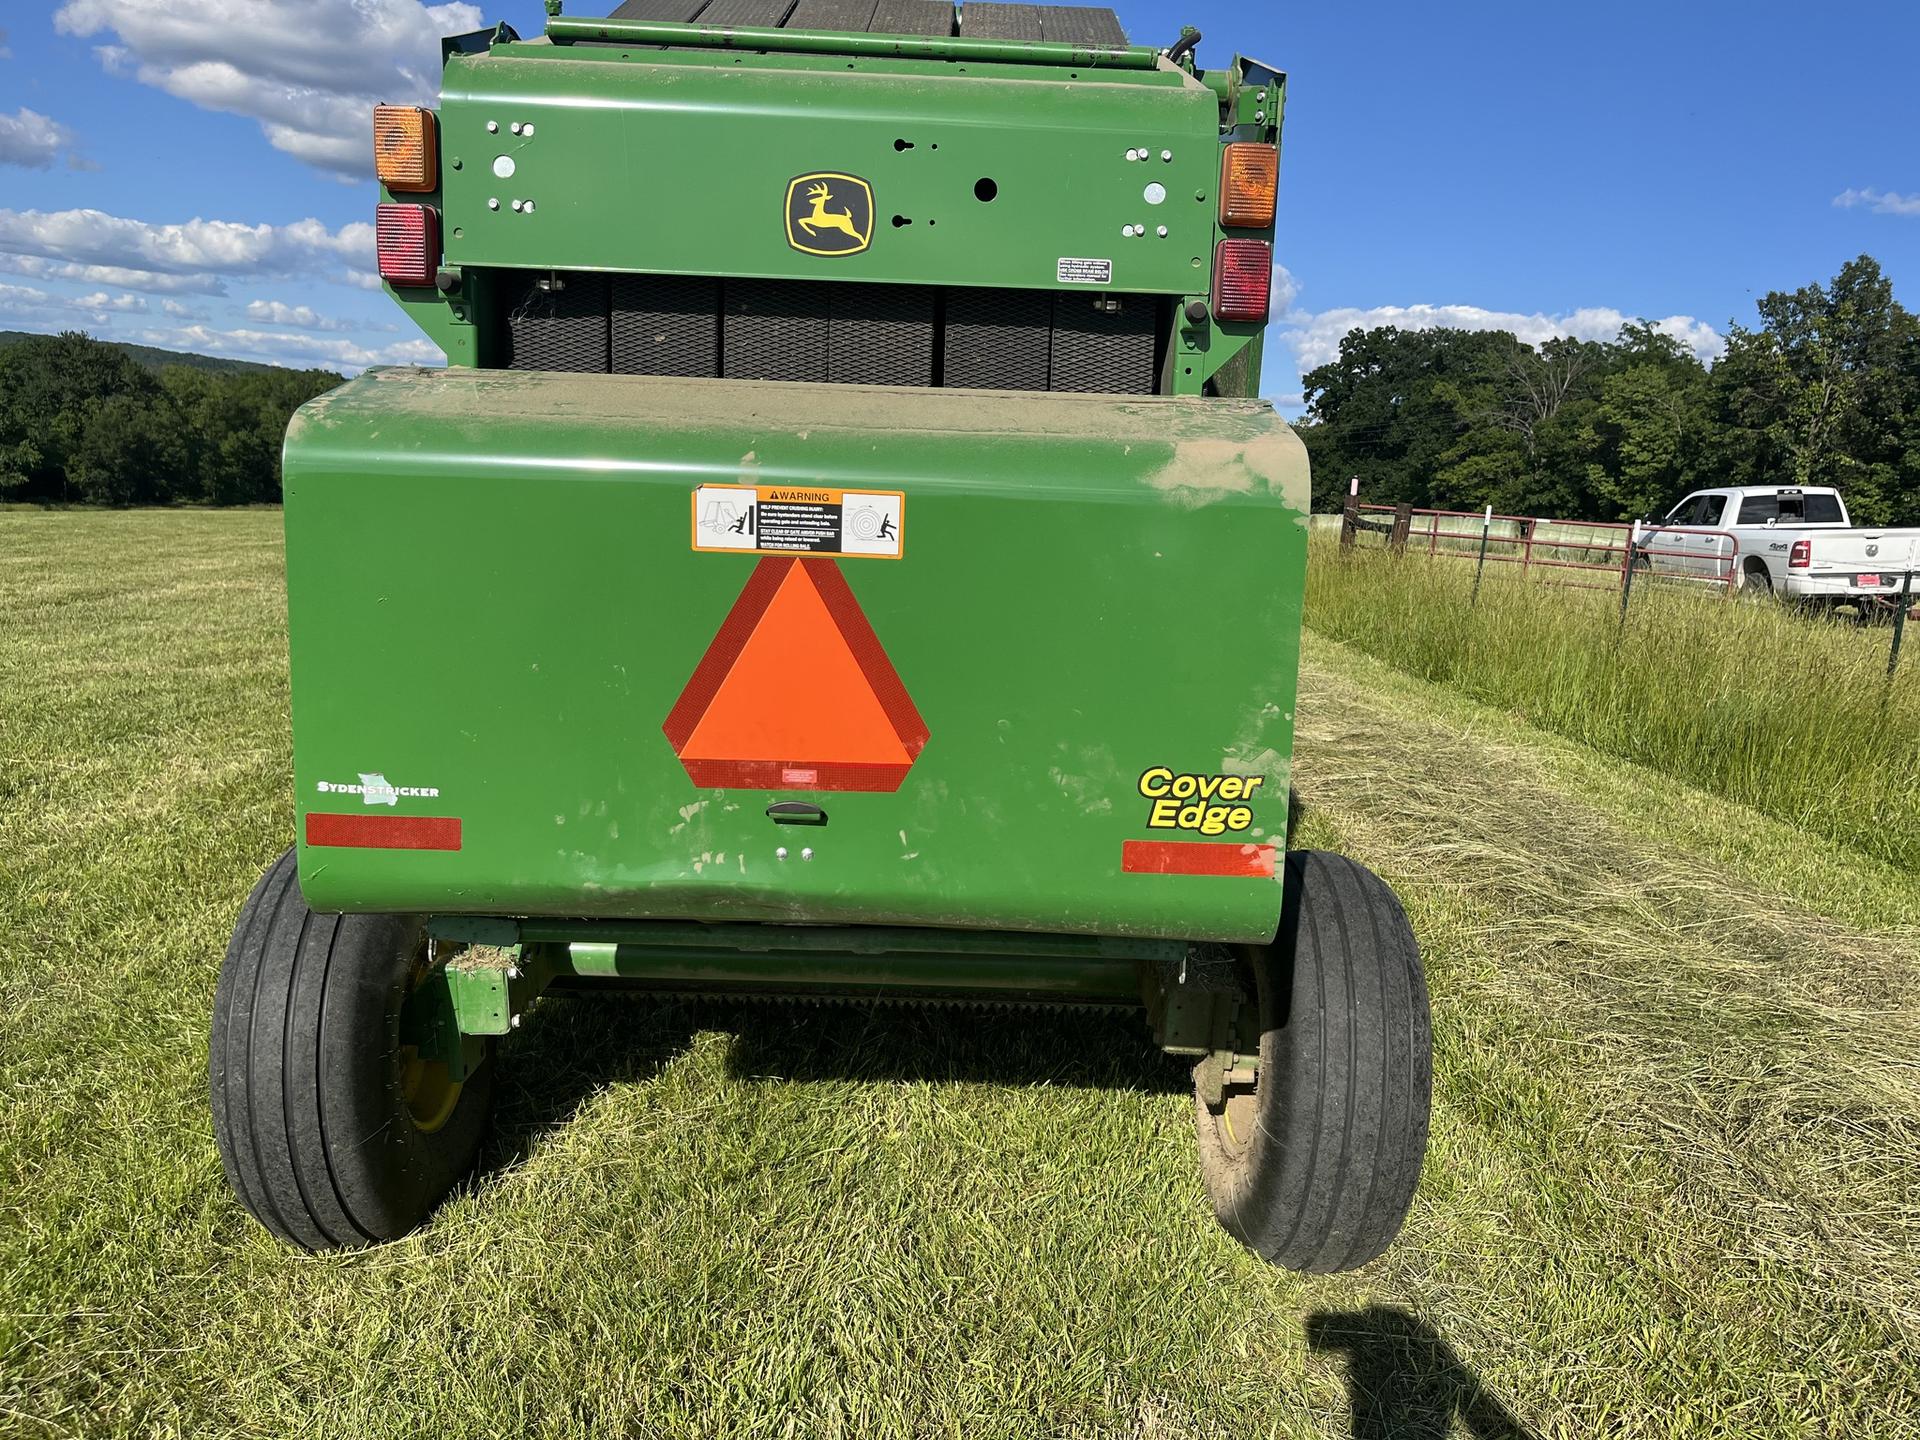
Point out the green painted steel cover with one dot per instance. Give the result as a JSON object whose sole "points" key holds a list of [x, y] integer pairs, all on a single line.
{"points": [[791, 166], [561, 643]]}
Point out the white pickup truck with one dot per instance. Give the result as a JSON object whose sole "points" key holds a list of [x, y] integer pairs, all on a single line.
{"points": [[1798, 544]]}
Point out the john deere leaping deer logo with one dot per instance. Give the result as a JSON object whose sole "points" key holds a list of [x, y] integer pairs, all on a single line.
{"points": [[829, 214]]}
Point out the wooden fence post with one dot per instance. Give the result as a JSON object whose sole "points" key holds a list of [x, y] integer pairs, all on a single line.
{"points": [[1402, 526]]}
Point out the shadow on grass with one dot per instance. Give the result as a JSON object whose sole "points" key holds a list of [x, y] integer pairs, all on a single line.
{"points": [[567, 1052], [1405, 1382], [955, 1045], [574, 1047]]}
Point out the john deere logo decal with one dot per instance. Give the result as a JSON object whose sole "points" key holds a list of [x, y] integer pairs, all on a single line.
{"points": [[829, 214]]}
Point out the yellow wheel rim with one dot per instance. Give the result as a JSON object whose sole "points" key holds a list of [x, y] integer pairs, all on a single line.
{"points": [[429, 1091]]}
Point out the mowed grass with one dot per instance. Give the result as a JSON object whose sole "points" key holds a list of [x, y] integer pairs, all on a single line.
{"points": [[1674, 1188], [1746, 699]]}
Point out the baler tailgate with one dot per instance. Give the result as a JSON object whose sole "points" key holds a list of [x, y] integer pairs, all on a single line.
{"points": [[620, 646]]}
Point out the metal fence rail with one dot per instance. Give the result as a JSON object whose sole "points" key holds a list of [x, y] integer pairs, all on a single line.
{"points": [[1567, 552], [1586, 555]]}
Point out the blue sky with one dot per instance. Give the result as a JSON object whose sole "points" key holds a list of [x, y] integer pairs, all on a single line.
{"points": [[192, 173]]}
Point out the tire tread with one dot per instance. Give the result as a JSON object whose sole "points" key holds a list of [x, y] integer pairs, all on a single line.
{"points": [[1316, 1191], [271, 1075]]}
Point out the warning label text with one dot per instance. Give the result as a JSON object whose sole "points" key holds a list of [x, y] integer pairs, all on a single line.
{"points": [[798, 519]]}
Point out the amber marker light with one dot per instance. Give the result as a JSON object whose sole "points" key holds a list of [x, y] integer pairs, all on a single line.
{"points": [[404, 153], [1249, 181]]}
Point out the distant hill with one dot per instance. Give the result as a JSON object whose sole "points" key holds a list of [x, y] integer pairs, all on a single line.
{"points": [[155, 359]]}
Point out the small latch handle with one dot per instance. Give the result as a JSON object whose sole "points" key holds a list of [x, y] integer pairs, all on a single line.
{"points": [[796, 812]]}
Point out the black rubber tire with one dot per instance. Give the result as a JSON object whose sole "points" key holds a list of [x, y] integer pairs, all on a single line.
{"points": [[314, 1130], [1756, 580], [1319, 1171]]}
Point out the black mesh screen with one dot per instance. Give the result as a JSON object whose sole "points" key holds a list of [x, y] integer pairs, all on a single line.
{"points": [[746, 12], [1081, 25], [831, 15], [1105, 344], [982, 19], [827, 331], [775, 330], [881, 335], [665, 325], [995, 20], [998, 339], [557, 322]]}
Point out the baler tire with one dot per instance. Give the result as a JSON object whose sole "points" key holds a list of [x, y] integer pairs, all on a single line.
{"points": [[315, 1132], [1319, 1171]]}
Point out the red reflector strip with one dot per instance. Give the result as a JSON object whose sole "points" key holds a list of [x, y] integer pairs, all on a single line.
{"points": [[1242, 280], [407, 242], [1197, 857], [385, 832]]}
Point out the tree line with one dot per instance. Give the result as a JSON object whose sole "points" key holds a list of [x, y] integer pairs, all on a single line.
{"points": [[1823, 390], [82, 422]]}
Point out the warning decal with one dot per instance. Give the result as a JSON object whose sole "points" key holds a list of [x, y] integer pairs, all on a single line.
{"points": [[1083, 270], [795, 692], [802, 519]]}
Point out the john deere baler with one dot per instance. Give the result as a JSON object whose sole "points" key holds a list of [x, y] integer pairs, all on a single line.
{"points": [[843, 558]]}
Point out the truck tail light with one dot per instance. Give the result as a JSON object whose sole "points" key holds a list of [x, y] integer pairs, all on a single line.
{"points": [[404, 153], [407, 240], [1249, 180], [1242, 280], [1801, 556]]}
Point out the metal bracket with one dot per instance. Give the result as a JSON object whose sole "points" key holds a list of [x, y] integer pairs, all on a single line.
{"points": [[482, 991], [1196, 1006]]}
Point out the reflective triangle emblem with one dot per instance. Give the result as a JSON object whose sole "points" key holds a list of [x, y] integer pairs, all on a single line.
{"points": [[795, 692]]}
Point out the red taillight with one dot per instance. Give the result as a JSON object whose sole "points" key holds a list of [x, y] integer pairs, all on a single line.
{"points": [[1801, 556], [407, 238], [1242, 280]]}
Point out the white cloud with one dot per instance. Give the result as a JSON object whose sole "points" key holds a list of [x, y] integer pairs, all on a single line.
{"points": [[197, 256], [1880, 202], [40, 268], [278, 347], [33, 141], [309, 71], [100, 301], [5, 53], [1315, 337], [300, 317], [363, 279], [1286, 289], [25, 302], [181, 312]]}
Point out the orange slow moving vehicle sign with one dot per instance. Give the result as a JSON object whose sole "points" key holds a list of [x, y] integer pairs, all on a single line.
{"points": [[795, 692]]}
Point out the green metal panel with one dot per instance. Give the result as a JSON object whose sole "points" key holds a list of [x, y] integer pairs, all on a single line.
{"points": [[494, 599], [676, 162]]}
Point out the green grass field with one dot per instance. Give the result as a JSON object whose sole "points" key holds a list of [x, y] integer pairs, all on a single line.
{"points": [[1674, 1188]]}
